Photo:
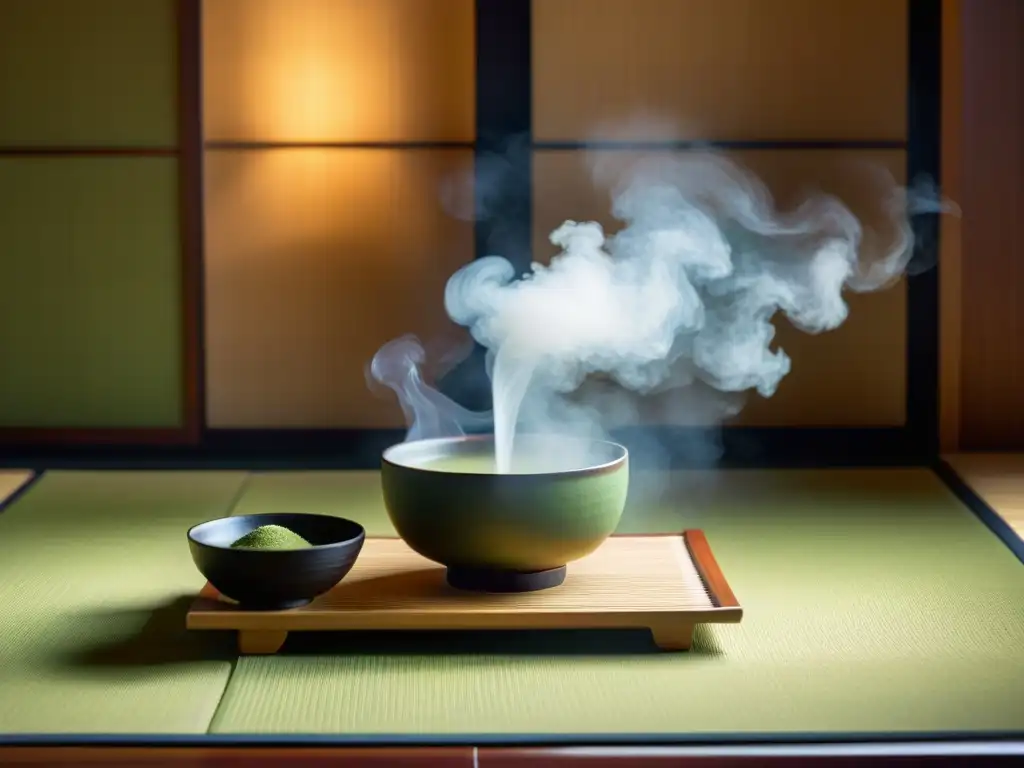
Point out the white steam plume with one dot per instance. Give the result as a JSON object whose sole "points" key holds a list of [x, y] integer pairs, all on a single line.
{"points": [[427, 412], [685, 291]]}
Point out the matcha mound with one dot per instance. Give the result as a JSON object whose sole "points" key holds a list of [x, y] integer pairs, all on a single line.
{"points": [[271, 537]]}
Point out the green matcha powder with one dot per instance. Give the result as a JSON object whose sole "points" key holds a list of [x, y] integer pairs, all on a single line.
{"points": [[271, 537]]}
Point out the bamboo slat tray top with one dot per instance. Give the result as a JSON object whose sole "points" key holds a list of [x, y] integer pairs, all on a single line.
{"points": [[665, 583]]}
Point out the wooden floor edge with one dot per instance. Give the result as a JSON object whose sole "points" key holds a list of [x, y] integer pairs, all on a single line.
{"points": [[493, 756], [256, 757]]}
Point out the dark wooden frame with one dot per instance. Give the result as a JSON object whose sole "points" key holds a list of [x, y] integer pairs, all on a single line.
{"points": [[504, 117]]}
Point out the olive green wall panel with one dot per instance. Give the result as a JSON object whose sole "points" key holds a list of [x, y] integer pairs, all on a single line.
{"points": [[90, 322], [88, 72]]}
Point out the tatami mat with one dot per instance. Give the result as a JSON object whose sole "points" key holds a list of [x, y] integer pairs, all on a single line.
{"points": [[874, 601], [998, 478], [95, 579], [11, 480]]}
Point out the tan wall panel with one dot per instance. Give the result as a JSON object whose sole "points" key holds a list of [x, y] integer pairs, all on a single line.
{"points": [[992, 187], [339, 70], [314, 258], [853, 376], [723, 69]]}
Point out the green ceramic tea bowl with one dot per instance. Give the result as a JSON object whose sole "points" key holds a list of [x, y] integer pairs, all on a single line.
{"points": [[505, 532]]}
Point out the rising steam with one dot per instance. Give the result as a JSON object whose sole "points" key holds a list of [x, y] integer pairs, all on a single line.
{"points": [[427, 412], [686, 291]]}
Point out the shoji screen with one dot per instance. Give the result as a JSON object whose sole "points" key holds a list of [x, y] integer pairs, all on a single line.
{"points": [[331, 126], [90, 321], [751, 72]]}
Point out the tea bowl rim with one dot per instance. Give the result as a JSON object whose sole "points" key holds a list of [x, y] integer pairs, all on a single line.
{"points": [[359, 537], [388, 458]]}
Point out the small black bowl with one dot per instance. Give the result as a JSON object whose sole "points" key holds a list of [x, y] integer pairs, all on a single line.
{"points": [[274, 580]]}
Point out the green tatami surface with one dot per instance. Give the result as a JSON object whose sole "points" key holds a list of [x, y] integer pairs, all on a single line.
{"points": [[874, 602], [95, 579]]}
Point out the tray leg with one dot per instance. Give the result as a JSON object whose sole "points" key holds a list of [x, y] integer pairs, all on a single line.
{"points": [[261, 641], [672, 635]]}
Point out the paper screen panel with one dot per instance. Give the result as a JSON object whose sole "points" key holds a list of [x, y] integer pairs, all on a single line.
{"points": [[728, 69], [90, 324], [852, 376], [314, 258], [95, 73], [339, 70]]}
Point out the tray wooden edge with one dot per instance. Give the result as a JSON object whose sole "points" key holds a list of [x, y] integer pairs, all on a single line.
{"points": [[696, 542], [710, 572]]}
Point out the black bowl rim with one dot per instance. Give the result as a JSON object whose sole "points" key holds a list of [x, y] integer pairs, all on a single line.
{"points": [[361, 536], [387, 457]]}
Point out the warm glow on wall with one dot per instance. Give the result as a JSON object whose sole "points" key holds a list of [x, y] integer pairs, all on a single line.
{"points": [[314, 258], [301, 198], [338, 70]]}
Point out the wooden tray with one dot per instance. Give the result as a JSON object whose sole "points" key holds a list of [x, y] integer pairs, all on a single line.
{"points": [[666, 584]]}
